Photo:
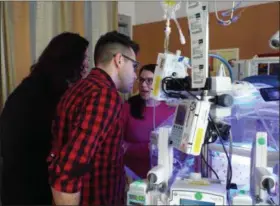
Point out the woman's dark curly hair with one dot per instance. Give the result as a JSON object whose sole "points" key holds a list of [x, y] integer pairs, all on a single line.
{"points": [[61, 61]]}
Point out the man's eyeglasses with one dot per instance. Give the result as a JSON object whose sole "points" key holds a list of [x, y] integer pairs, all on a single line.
{"points": [[149, 81], [134, 62]]}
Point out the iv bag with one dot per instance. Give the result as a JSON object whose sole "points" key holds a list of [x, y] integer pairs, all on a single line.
{"points": [[170, 7]]}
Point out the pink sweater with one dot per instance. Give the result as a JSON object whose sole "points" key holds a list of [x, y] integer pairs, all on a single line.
{"points": [[137, 133]]}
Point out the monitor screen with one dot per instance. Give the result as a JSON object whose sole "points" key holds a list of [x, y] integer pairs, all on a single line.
{"points": [[180, 115], [136, 199], [134, 203], [270, 94], [195, 202]]}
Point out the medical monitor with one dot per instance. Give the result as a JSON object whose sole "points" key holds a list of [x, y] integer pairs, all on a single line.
{"points": [[184, 192], [195, 202], [180, 115], [179, 125], [270, 94]]}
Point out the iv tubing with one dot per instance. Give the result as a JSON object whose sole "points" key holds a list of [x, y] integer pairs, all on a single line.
{"points": [[225, 62], [167, 32]]}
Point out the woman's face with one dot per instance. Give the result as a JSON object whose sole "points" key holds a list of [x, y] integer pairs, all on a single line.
{"points": [[145, 81]]}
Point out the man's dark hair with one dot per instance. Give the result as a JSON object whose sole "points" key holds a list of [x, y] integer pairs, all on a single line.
{"points": [[61, 61], [112, 43], [137, 104]]}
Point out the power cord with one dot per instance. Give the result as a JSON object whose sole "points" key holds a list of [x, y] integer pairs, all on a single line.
{"points": [[209, 166], [229, 178], [271, 201]]}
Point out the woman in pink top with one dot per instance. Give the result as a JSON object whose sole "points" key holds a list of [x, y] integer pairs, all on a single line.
{"points": [[139, 122]]}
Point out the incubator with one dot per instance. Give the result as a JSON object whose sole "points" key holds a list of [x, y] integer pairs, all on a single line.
{"points": [[250, 114]]}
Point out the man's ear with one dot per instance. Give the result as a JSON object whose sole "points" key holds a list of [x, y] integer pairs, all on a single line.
{"points": [[118, 60]]}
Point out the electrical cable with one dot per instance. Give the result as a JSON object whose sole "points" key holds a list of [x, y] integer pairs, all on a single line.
{"points": [[229, 174], [209, 166], [228, 182], [230, 155], [271, 201]]}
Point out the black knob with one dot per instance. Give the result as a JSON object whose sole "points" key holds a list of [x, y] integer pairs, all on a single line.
{"points": [[224, 100], [152, 178], [268, 184]]}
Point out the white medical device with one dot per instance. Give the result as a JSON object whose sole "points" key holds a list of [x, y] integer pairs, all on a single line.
{"points": [[242, 198], [192, 116], [160, 174], [168, 65], [137, 194], [197, 192], [262, 181], [250, 67], [198, 20], [190, 125]]}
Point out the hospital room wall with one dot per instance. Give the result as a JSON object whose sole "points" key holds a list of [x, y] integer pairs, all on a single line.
{"points": [[250, 34]]}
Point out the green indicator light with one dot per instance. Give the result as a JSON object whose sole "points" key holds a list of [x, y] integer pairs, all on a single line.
{"points": [[242, 192], [261, 141], [198, 196]]}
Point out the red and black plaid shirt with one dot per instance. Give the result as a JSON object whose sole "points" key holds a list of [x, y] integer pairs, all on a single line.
{"points": [[86, 153]]}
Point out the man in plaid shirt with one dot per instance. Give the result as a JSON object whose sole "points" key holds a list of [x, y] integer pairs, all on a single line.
{"points": [[86, 159]]}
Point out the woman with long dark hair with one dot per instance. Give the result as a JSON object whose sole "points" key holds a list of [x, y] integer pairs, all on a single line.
{"points": [[25, 122]]}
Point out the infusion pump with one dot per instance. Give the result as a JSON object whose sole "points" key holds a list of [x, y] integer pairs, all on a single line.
{"points": [[189, 127]]}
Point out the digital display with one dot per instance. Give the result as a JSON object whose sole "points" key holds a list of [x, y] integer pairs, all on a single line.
{"points": [[195, 202], [181, 114], [134, 203], [270, 94], [137, 198]]}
